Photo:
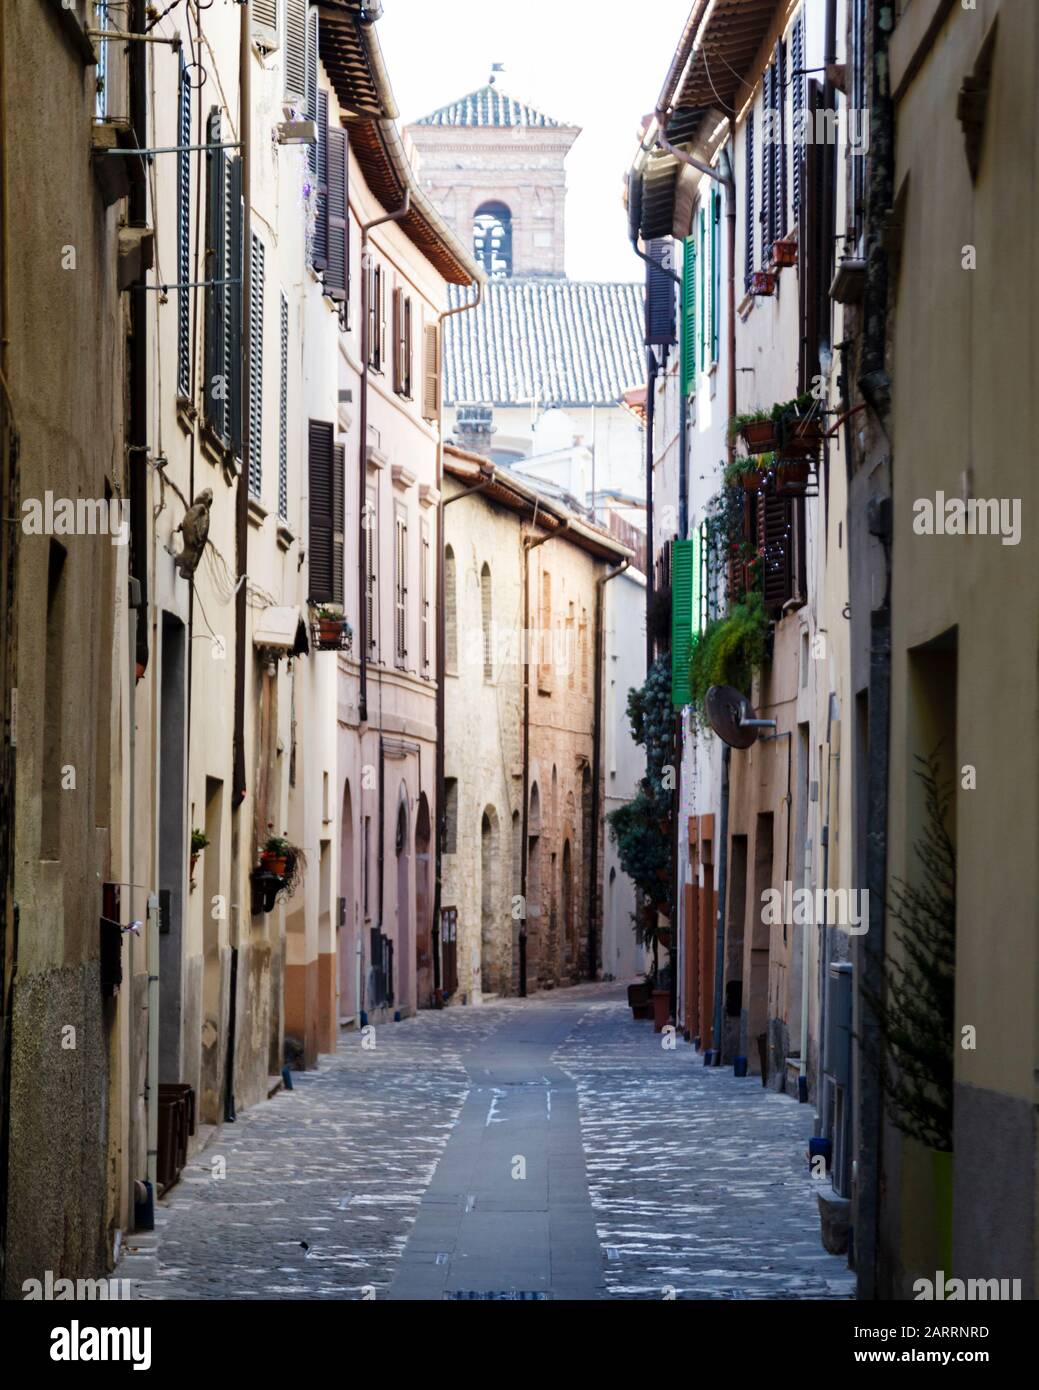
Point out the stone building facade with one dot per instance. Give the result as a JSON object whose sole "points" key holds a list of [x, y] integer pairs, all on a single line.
{"points": [[493, 539]]}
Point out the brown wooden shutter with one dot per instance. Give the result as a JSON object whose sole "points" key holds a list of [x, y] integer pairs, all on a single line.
{"points": [[748, 231], [431, 371], [775, 539], [401, 578], [370, 578], [336, 230], [322, 510], [398, 333], [424, 596], [406, 348]]}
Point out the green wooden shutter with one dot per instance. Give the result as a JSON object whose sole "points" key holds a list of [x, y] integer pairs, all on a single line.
{"points": [[688, 315], [716, 267], [684, 567]]}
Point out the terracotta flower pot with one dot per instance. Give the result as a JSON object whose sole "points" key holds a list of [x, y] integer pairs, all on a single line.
{"points": [[661, 1009], [792, 477], [784, 253], [759, 436], [803, 438], [274, 863], [763, 282]]}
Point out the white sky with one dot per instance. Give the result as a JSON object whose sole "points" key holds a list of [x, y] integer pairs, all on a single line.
{"points": [[598, 64]]}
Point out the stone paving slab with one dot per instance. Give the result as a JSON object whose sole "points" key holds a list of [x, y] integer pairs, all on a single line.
{"points": [[388, 1172]]}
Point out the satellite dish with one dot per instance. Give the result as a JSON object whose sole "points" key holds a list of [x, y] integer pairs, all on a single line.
{"points": [[731, 716]]}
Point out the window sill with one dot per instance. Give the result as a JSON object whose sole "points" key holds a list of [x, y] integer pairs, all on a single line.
{"points": [[187, 415], [286, 539], [257, 512]]}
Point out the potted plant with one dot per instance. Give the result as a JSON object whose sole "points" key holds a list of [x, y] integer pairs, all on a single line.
{"points": [[199, 840], [275, 854], [784, 253], [792, 477], [757, 429], [330, 630], [745, 472], [763, 282], [728, 651], [799, 426]]}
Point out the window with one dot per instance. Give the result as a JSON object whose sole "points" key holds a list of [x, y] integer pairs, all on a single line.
{"points": [[450, 815], [376, 307], [402, 353], [423, 579], [545, 634], [400, 579], [223, 309], [327, 466], [688, 347], [485, 622], [370, 577], [310, 94], [797, 89], [571, 633], [450, 613], [101, 18], [283, 415], [296, 66], [183, 235], [492, 239], [716, 270], [748, 180], [337, 229], [256, 283], [318, 156], [431, 371]]}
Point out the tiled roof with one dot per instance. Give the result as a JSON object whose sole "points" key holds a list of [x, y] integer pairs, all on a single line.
{"points": [[488, 106], [567, 342]]}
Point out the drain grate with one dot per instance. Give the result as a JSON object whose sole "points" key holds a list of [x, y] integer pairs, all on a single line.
{"points": [[508, 1295]]}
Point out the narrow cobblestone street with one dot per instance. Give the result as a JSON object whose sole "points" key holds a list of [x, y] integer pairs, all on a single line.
{"points": [[394, 1171]]}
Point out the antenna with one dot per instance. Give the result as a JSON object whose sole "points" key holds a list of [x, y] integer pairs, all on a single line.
{"points": [[731, 716]]}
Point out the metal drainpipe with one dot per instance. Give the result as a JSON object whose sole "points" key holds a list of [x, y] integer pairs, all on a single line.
{"points": [[652, 367], [439, 771], [719, 930], [600, 656], [528, 543], [362, 468]]}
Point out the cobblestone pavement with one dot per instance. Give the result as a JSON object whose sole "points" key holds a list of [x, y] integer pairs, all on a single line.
{"points": [[697, 1181]]}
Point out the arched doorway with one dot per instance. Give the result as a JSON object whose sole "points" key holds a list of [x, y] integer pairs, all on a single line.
{"points": [[403, 968], [423, 920]]}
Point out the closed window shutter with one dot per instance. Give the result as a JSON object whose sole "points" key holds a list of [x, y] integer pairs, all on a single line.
{"points": [[797, 87], [775, 540], [183, 235], [295, 50], [283, 416], [310, 96], [748, 230], [810, 247], [685, 566], [233, 305], [781, 161], [215, 391], [401, 604], [660, 294], [266, 12], [398, 329], [320, 153], [381, 299], [256, 286], [336, 230], [322, 512], [688, 345], [716, 270], [424, 596], [767, 151], [431, 371], [338, 523], [701, 266], [369, 568]]}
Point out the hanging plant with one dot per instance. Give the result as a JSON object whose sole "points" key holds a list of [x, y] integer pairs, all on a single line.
{"points": [[728, 651]]}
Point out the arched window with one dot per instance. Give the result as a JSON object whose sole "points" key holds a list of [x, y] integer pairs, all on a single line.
{"points": [[450, 613], [492, 239], [485, 619]]}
